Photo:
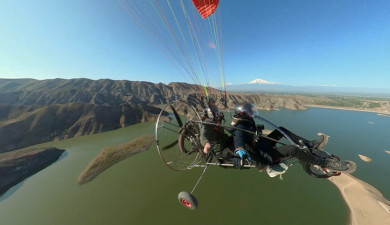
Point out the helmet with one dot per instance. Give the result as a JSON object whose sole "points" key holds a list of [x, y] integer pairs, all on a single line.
{"points": [[245, 110], [213, 112]]}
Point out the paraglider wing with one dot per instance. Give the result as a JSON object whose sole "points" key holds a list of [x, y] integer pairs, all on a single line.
{"points": [[206, 7]]}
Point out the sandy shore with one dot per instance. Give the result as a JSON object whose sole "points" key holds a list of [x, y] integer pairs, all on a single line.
{"points": [[379, 111], [367, 205]]}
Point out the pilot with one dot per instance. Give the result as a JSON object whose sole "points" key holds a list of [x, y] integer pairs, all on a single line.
{"points": [[213, 137], [264, 152]]}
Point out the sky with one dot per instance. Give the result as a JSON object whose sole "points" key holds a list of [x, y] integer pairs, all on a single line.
{"points": [[294, 42]]}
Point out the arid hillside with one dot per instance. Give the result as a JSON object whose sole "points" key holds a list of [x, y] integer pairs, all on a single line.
{"points": [[36, 111], [28, 125]]}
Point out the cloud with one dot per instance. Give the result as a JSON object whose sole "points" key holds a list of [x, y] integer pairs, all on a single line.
{"points": [[230, 83], [261, 81]]}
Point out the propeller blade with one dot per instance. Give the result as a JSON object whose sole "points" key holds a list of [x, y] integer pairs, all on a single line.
{"points": [[176, 116], [170, 145]]}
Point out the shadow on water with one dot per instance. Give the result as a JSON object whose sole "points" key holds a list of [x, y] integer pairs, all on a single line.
{"points": [[17, 186], [12, 190], [63, 155]]}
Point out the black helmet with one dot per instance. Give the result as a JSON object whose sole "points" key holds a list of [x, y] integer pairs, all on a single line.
{"points": [[245, 110]]}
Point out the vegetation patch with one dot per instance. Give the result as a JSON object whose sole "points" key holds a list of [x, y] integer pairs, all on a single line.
{"points": [[350, 102], [111, 155]]}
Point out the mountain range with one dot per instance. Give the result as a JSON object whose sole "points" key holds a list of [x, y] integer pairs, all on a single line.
{"points": [[37, 111]]}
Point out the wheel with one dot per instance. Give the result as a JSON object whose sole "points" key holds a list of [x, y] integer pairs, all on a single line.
{"points": [[352, 167], [319, 172], [188, 200], [177, 135], [189, 138]]}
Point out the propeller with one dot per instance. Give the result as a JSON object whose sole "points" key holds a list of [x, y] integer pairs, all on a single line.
{"points": [[170, 145], [180, 123], [177, 116]]}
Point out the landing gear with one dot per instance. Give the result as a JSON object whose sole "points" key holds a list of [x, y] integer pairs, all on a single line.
{"points": [[188, 200]]}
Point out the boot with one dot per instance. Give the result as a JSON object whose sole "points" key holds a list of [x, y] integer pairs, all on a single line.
{"points": [[321, 141], [307, 157], [336, 164]]}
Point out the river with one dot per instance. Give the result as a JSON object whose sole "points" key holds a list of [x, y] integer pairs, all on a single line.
{"points": [[142, 190]]}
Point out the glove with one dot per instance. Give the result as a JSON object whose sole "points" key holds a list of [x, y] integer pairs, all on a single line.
{"points": [[239, 158]]}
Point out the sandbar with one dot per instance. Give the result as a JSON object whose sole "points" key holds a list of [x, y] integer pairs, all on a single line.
{"points": [[365, 158], [366, 204]]}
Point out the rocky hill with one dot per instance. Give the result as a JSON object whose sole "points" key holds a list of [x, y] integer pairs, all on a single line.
{"points": [[27, 125], [17, 165], [36, 111]]}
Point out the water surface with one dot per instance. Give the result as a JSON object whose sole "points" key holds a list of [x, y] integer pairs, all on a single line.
{"points": [[142, 190]]}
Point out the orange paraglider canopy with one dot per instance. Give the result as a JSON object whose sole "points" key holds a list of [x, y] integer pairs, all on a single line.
{"points": [[206, 7]]}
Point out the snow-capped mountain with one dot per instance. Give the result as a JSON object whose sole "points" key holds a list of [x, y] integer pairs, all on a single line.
{"points": [[261, 81]]}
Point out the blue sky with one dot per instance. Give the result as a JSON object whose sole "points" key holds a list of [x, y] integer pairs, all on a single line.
{"points": [[295, 42]]}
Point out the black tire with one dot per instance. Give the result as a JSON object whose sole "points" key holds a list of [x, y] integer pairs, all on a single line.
{"points": [[188, 200], [352, 167], [188, 139]]}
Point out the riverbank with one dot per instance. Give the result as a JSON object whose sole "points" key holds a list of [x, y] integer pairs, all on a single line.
{"points": [[367, 205]]}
